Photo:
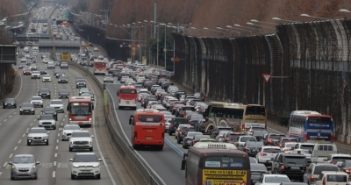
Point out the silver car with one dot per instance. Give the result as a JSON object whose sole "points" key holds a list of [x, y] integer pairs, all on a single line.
{"points": [[67, 131], [24, 166], [85, 164], [37, 135]]}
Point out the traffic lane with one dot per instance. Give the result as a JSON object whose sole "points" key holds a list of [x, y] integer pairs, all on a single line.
{"points": [[166, 163]]}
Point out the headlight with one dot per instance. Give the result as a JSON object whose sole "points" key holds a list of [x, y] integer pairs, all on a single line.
{"points": [[96, 166], [21, 109], [89, 119], [75, 166]]}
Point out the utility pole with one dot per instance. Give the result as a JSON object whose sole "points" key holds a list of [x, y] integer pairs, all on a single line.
{"points": [[165, 47], [155, 17]]}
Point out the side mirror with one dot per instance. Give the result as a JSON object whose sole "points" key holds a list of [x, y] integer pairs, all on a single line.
{"points": [[131, 120], [37, 163]]}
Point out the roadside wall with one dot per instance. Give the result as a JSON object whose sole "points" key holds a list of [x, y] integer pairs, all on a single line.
{"points": [[309, 63]]}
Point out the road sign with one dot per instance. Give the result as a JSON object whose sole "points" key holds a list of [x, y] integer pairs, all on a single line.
{"points": [[266, 77]]}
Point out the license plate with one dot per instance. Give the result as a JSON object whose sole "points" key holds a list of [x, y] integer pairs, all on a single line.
{"points": [[148, 138], [127, 102], [295, 168]]}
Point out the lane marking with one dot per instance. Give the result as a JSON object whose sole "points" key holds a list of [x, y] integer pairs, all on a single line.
{"points": [[15, 148], [56, 148], [54, 174], [0, 173], [5, 164], [5, 120], [10, 156], [55, 155], [20, 90], [19, 141], [57, 140], [55, 163]]}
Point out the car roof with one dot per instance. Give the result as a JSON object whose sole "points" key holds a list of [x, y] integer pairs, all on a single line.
{"points": [[24, 155]]}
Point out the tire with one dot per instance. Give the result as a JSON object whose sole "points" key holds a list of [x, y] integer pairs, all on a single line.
{"points": [[36, 176], [178, 141], [13, 177], [73, 176], [20, 113], [90, 149], [47, 143], [136, 147], [70, 149], [54, 128], [160, 148], [98, 176], [28, 143]]}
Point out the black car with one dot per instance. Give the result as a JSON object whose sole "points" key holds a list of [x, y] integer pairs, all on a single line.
{"points": [[63, 94], [293, 165], [49, 110], [174, 124], [63, 79], [257, 171], [81, 83], [44, 93], [43, 72], [9, 103], [27, 108]]}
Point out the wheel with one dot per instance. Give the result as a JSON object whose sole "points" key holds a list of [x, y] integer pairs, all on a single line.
{"points": [[136, 147], [20, 113], [54, 127], [33, 113], [90, 149], [73, 176], [98, 176], [160, 147], [13, 177], [70, 149], [47, 143], [36, 176], [28, 143]]}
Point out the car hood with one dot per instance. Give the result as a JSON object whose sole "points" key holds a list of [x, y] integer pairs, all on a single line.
{"points": [[56, 105], [80, 139], [46, 120], [85, 164], [37, 135], [36, 101], [24, 165], [67, 131]]}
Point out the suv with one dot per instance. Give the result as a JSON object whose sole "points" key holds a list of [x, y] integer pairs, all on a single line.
{"points": [[67, 131], [9, 103], [49, 110], [37, 135], [63, 94], [35, 75], [24, 166], [37, 101], [47, 121], [334, 178], [27, 108], [85, 164], [81, 140], [174, 124], [294, 165], [314, 172]]}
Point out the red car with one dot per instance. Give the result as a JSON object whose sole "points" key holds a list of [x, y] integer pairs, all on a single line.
{"points": [[27, 71]]}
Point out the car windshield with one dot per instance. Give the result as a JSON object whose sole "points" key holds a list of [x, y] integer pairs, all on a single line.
{"points": [[276, 179], [337, 178], [36, 98], [80, 110], [258, 167], [318, 170], [254, 144], [276, 137], [56, 102], [80, 134], [23, 159], [191, 134], [27, 105], [271, 150], [71, 127], [85, 158], [9, 100], [307, 147], [46, 117], [37, 131], [295, 159], [247, 138]]}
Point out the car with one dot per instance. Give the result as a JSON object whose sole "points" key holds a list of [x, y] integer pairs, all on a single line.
{"points": [[37, 101], [108, 79], [322, 151], [62, 79], [252, 147], [257, 172], [338, 159], [63, 93], [26, 71], [37, 135], [9, 103], [182, 131], [81, 83], [27, 108], [43, 72], [272, 139], [45, 93], [189, 138], [49, 110], [50, 66], [294, 165], [283, 140], [46, 78], [67, 131], [64, 65], [24, 166], [273, 179], [314, 171], [333, 178], [85, 164], [57, 104], [83, 90], [257, 131], [81, 140], [47, 121], [90, 94], [35, 75], [243, 139], [174, 124], [267, 153]]}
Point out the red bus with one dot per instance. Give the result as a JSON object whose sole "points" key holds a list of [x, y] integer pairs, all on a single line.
{"points": [[100, 67], [127, 96], [80, 110], [148, 128]]}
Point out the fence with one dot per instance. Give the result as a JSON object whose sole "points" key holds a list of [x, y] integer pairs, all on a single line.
{"points": [[309, 64]]}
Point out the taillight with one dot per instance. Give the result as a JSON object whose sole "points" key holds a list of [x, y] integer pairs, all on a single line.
{"points": [[281, 165], [305, 137], [263, 154], [270, 140]]}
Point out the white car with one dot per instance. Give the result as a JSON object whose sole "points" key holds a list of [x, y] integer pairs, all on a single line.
{"points": [[81, 140], [46, 78], [85, 164], [333, 178], [273, 179], [67, 131], [289, 146], [37, 135], [58, 105], [47, 121], [108, 79], [267, 153], [37, 101], [35, 75]]}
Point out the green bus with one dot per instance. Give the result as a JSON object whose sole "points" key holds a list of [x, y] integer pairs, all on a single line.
{"points": [[215, 164]]}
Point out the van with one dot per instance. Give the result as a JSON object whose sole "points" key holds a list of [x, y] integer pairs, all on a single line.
{"points": [[322, 151]]}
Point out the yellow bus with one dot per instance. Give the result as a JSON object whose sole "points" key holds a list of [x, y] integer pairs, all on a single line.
{"points": [[255, 115], [216, 165]]}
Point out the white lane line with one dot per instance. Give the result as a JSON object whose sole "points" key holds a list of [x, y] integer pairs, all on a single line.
{"points": [[55, 163], [4, 120], [5, 164], [58, 134], [10, 156], [19, 141], [54, 174], [20, 90], [0, 173], [57, 140], [10, 116], [99, 149], [55, 155], [24, 135], [56, 148], [15, 148]]}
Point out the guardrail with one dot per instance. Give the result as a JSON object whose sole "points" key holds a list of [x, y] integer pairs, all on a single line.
{"points": [[138, 164]]}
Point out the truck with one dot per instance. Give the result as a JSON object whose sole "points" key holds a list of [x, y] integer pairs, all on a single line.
{"points": [[65, 56]]}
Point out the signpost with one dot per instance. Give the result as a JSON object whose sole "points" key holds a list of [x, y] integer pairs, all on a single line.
{"points": [[266, 78]]}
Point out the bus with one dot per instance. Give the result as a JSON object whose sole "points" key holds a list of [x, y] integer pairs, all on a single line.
{"points": [[80, 110], [100, 67], [148, 128], [222, 114], [311, 125], [127, 96], [216, 164], [255, 115]]}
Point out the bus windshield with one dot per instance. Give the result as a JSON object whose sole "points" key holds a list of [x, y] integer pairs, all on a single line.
{"points": [[80, 110], [320, 123], [226, 113], [255, 110], [150, 118], [223, 162], [127, 91]]}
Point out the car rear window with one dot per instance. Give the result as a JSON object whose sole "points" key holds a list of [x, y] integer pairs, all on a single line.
{"points": [[295, 159], [318, 169], [325, 147], [337, 178], [150, 118], [271, 150]]}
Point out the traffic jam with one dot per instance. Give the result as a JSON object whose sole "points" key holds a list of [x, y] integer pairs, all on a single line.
{"points": [[234, 134]]}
